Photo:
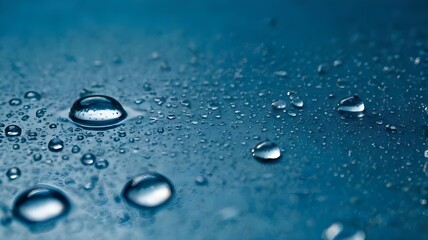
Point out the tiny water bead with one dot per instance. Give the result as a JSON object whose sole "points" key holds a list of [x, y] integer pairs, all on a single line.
{"points": [[148, 190], [13, 173], [266, 152], [97, 111], [32, 95], [13, 131], [88, 159], [41, 204], [351, 106], [55, 145], [341, 231]]}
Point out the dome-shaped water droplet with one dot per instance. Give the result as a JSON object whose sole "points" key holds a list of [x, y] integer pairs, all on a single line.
{"points": [[41, 204], [13, 173], [340, 231], [297, 103], [149, 190], [15, 102], [32, 95], [101, 164], [88, 159], [55, 145], [12, 131], [266, 152], [97, 111], [279, 105], [351, 106]]}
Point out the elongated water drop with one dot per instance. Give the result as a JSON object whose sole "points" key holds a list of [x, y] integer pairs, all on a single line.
{"points": [[266, 152], [148, 190], [41, 204], [12, 131], [97, 111], [351, 106]]}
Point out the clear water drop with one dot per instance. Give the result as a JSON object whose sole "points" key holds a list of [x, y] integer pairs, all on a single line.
{"points": [[279, 104], [297, 103], [41, 204], [88, 159], [148, 190], [341, 231], [13, 131], [266, 152], [101, 164], [97, 111], [55, 145], [13, 173], [32, 95], [351, 106], [15, 102]]}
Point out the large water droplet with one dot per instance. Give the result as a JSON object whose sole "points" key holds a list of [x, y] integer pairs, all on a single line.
{"points": [[266, 152], [340, 231], [12, 131], [148, 190], [55, 145], [41, 204], [97, 111], [351, 106]]}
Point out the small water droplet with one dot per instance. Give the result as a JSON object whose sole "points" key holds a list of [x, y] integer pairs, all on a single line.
{"points": [[97, 111], [37, 157], [340, 231], [148, 190], [55, 145], [266, 152], [40, 204], [13, 131], [297, 103], [88, 159], [15, 102], [279, 104], [101, 164], [13, 173], [351, 106], [32, 95], [75, 149]]}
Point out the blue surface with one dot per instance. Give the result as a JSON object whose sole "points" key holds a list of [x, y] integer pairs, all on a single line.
{"points": [[360, 172]]}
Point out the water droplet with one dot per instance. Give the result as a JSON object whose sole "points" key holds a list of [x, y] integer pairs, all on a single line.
{"points": [[148, 190], [75, 149], [37, 157], [13, 173], [40, 204], [297, 103], [101, 164], [351, 106], [88, 159], [340, 231], [266, 152], [97, 111], [55, 145], [15, 102], [279, 104], [32, 95], [12, 131]]}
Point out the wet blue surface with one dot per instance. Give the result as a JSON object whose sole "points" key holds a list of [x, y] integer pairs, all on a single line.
{"points": [[199, 78]]}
